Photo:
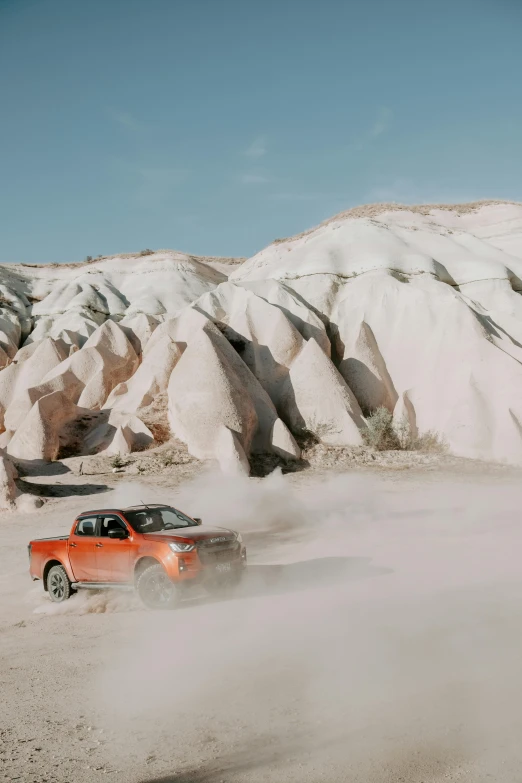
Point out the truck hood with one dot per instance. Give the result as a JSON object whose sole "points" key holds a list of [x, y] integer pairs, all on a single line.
{"points": [[200, 533]]}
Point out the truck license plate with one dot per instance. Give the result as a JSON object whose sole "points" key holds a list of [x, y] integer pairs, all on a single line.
{"points": [[223, 568]]}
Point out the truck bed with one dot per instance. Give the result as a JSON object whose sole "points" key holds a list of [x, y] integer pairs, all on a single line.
{"points": [[44, 550], [51, 538]]}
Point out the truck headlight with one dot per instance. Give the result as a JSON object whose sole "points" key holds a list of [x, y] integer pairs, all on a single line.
{"points": [[181, 546], [239, 538]]}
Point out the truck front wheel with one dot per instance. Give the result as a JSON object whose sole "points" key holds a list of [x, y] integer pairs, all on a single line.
{"points": [[58, 584], [155, 588]]}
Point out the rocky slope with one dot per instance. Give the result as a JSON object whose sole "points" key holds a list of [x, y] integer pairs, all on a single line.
{"points": [[417, 309]]}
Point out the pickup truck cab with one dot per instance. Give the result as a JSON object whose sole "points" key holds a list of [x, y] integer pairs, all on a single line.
{"points": [[155, 549]]}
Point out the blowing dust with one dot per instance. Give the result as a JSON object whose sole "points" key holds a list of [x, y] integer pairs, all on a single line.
{"points": [[376, 637]]}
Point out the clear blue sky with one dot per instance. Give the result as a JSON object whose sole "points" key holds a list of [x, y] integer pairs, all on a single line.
{"points": [[215, 126]]}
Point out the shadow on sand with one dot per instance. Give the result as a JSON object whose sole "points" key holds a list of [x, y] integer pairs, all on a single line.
{"points": [[58, 490]]}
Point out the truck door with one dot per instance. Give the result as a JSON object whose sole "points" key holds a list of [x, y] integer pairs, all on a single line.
{"points": [[82, 550], [113, 555]]}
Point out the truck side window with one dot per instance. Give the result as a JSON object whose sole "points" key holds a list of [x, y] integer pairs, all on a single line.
{"points": [[110, 523], [86, 527]]}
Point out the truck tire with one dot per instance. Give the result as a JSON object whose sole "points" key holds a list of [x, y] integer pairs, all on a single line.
{"points": [[156, 589], [58, 584]]}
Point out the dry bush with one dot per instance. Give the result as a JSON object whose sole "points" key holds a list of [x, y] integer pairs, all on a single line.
{"points": [[382, 434], [117, 461], [379, 433], [374, 210], [431, 442]]}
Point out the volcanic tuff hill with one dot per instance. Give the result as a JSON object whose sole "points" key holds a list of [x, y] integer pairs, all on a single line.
{"points": [[415, 308]]}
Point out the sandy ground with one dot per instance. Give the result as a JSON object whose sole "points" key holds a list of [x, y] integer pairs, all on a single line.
{"points": [[377, 638]]}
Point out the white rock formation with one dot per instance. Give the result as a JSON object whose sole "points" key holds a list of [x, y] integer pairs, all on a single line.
{"points": [[11, 499], [423, 301], [211, 388], [180, 329], [264, 337], [28, 368], [418, 309], [230, 453], [86, 377], [318, 399], [38, 436], [305, 320], [150, 379], [282, 442], [118, 433], [139, 329], [8, 489]]}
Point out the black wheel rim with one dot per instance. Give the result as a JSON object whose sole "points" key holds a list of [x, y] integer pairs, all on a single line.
{"points": [[158, 590], [57, 586]]}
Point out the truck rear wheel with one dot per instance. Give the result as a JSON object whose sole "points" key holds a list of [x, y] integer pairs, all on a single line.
{"points": [[156, 589], [58, 584]]}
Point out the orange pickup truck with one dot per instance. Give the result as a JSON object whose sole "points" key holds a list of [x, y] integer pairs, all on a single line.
{"points": [[154, 549]]}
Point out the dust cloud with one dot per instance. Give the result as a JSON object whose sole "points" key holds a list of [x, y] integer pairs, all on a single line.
{"points": [[377, 637]]}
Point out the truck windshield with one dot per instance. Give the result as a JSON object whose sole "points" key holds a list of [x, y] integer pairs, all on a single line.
{"points": [[154, 520]]}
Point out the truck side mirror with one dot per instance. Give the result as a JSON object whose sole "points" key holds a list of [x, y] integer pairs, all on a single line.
{"points": [[197, 520], [118, 532]]}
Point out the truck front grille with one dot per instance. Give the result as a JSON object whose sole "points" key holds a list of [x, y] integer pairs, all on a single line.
{"points": [[218, 553]]}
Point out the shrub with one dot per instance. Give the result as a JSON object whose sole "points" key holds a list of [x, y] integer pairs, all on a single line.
{"points": [[382, 434], [430, 441], [146, 252], [379, 433], [88, 259], [117, 461]]}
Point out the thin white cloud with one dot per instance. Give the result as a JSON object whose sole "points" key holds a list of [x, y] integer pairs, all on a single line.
{"points": [[382, 123], [257, 149]]}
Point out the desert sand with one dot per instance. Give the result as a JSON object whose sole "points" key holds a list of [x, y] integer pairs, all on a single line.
{"points": [[376, 638]]}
